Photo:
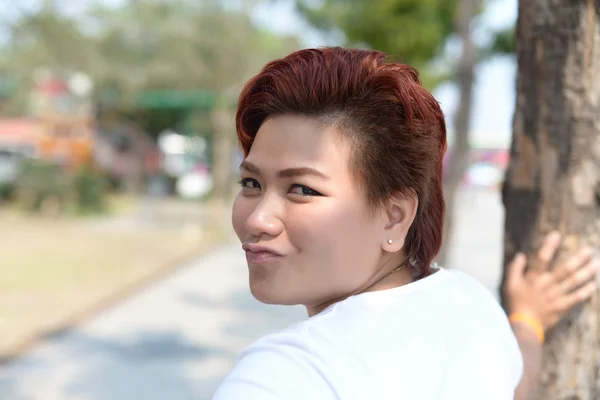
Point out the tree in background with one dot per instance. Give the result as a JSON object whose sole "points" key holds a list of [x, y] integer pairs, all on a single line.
{"points": [[553, 178], [465, 79], [410, 31], [148, 45], [415, 32]]}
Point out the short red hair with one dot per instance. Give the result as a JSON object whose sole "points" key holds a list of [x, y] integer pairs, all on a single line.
{"points": [[396, 127]]}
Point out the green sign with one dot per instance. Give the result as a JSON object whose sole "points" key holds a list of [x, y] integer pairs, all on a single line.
{"points": [[176, 99]]}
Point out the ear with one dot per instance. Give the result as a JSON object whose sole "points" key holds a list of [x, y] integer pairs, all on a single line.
{"points": [[400, 214]]}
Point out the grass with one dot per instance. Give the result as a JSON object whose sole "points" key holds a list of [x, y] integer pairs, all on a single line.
{"points": [[52, 270]]}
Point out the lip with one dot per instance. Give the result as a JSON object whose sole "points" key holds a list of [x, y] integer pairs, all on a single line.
{"points": [[258, 248], [259, 254]]}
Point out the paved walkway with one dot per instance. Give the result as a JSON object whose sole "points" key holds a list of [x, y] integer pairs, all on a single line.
{"points": [[177, 339]]}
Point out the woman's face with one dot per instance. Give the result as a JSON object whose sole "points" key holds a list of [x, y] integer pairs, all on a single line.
{"points": [[308, 231]]}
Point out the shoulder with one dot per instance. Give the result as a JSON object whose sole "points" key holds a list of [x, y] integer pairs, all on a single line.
{"points": [[482, 324], [476, 306], [465, 289], [292, 364]]}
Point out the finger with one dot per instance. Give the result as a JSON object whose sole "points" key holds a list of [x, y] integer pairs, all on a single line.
{"points": [[567, 301], [547, 251], [579, 277], [516, 269], [543, 281], [572, 264]]}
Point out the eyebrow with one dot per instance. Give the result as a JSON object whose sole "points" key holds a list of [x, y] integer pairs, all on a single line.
{"points": [[285, 173]]}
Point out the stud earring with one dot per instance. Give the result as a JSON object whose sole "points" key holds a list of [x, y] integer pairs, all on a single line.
{"points": [[390, 241]]}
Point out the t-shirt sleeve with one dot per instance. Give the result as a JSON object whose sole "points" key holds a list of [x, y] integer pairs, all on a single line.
{"points": [[488, 362], [498, 372], [280, 368]]}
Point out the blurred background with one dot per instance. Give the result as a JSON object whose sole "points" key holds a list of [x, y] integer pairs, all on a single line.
{"points": [[119, 274]]}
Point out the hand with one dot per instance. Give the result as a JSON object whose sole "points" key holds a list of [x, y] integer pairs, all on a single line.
{"points": [[547, 295]]}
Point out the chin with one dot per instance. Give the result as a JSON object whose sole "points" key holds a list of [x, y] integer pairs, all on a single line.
{"points": [[269, 295]]}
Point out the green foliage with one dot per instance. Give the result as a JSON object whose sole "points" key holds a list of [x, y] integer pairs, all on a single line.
{"points": [[41, 175], [90, 188], [40, 181], [504, 42], [6, 191], [48, 188], [410, 31], [143, 45]]}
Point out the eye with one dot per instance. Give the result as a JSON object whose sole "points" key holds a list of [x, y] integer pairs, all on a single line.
{"points": [[249, 183], [304, 190]]}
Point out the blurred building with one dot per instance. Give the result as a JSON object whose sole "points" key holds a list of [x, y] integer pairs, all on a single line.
{"points": [[62, 129]]}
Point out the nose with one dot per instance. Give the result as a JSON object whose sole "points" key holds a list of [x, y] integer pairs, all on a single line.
{"points": [[265, 219]]}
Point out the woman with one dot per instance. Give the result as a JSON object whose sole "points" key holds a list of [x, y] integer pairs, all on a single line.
{"points": [[341, 210]]}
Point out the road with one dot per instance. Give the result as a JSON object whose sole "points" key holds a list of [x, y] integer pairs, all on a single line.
{"points": [[178, 338]]}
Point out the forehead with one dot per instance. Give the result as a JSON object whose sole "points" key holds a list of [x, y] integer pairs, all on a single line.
{"points": [[286, 141]]}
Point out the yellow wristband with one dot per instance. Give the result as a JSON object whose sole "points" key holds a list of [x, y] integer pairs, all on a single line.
{"points": [[530, 321]]}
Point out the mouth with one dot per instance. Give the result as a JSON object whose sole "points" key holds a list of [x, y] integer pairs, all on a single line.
{"points": [[258, 254], [261, 257]]}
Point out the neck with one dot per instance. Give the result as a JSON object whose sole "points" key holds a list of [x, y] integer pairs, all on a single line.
{"points": [[387, 279]]}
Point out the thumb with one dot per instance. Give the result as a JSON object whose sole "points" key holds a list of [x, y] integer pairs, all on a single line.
{"points": [[516, 269]]}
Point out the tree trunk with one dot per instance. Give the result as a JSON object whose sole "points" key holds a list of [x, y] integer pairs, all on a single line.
{"points": [[553, 176], [223, 145], [459, 156]]}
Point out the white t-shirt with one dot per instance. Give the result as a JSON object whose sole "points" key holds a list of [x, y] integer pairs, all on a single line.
{"points": [[442, 337]]}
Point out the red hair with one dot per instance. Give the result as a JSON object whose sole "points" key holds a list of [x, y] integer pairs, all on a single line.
{"points": [[396, 127]]}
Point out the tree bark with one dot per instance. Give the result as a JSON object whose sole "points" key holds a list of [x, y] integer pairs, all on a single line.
{"points": [[553, 177], [459, 156], [223, 145]]}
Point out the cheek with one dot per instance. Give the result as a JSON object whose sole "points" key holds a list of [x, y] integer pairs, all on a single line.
{"points": [[242, 208], [337, 247], [337, 232]]}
